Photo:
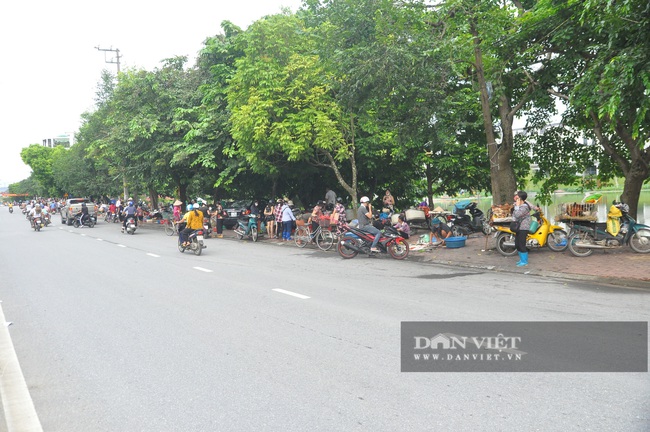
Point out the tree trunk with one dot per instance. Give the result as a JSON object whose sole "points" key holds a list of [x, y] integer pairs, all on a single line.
{"points": [[502, 176], [636, 169], [153, 196], [632, 188]]}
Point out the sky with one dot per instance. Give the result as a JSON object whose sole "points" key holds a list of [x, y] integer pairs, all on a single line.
{"points": [[50, 67]]}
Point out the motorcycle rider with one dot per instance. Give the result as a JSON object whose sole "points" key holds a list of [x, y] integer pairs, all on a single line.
{"points": [[84, 213], [34, 213], [194, 222], [364, 216], [128, 212]]}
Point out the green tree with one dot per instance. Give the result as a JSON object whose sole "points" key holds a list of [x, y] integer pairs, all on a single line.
{"points": [[594, 56], [282, 107], [40, 159]]}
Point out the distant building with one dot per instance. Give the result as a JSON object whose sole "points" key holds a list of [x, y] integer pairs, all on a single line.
{"points": [[65, 139]]}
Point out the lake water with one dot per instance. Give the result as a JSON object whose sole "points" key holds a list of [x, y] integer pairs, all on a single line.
{"points": [[643, 212]]}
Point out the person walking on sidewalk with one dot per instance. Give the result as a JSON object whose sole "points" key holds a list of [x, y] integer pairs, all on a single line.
{"points": [[521, 214]]}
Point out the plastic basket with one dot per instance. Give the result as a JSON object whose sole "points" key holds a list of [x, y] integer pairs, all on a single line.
{"points": [[324, 222]]}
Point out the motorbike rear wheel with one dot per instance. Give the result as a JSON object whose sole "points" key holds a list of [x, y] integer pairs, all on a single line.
{"points": [[344, 251], [486, 228], [582, 238], [459, 231], [504, 250], [197, 248], [557, 241], [640, 241], [399, 249]]}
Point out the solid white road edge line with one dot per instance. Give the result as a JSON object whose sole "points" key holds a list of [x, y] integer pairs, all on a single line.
{"points": [[20, 414], [202, 269], [300, 296], [121, 245], [153, 255], [100, 239]]}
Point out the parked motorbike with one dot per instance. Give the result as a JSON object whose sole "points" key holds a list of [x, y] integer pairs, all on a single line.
{"points": [[79, 222], [355, 241], [247, 227], [542, 233], [37, 223], [619, 230], [196, 243], [463, 224], [206, 227], [130, 226]]}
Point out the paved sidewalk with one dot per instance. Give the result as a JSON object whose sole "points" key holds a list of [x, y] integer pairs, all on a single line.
{"points": [[622, 267]]}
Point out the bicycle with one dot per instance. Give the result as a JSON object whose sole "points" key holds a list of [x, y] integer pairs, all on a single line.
{"points": [[171, 227], [323, 236]]}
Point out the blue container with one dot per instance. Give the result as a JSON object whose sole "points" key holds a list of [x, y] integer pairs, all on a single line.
{"points": [[455, 242]]}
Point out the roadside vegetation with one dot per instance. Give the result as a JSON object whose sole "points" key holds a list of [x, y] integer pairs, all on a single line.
{"points": [[414, 96]]}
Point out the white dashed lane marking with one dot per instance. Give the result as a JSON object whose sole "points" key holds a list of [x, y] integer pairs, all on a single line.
{"points": [[120, 245], [202, 269], [153, 255], [300, 296]]}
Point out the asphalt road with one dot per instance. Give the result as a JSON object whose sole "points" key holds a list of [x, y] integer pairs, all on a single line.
{"points": [[124, 333]]}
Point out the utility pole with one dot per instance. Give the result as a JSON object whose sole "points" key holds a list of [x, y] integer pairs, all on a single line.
{"points": [[116, 61]]}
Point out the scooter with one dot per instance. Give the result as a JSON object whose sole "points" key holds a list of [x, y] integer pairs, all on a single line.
{"points": [[79, 221], [542, 233], [46, 219], [620, 229], [463, 224], [355, 241], [130, 225], [11, 209], [247, 227], [196, 243], [37, 223]]}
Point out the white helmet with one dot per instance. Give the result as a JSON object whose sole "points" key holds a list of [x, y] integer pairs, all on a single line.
{"points": [[364, 199]]}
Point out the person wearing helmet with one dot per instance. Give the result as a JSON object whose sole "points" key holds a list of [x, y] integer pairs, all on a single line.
{"points": [[194, 222], [34, 212], [364, 216], [129, 211], [84, 213]]}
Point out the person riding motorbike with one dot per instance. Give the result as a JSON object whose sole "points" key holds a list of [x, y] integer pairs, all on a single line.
{"points": [[84, 213], [129, 211], [194, 222], [35, 212], [364, 216]]}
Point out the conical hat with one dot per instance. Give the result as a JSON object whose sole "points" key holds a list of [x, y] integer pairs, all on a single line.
{"points": [[177, 203], [438, 210]]}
